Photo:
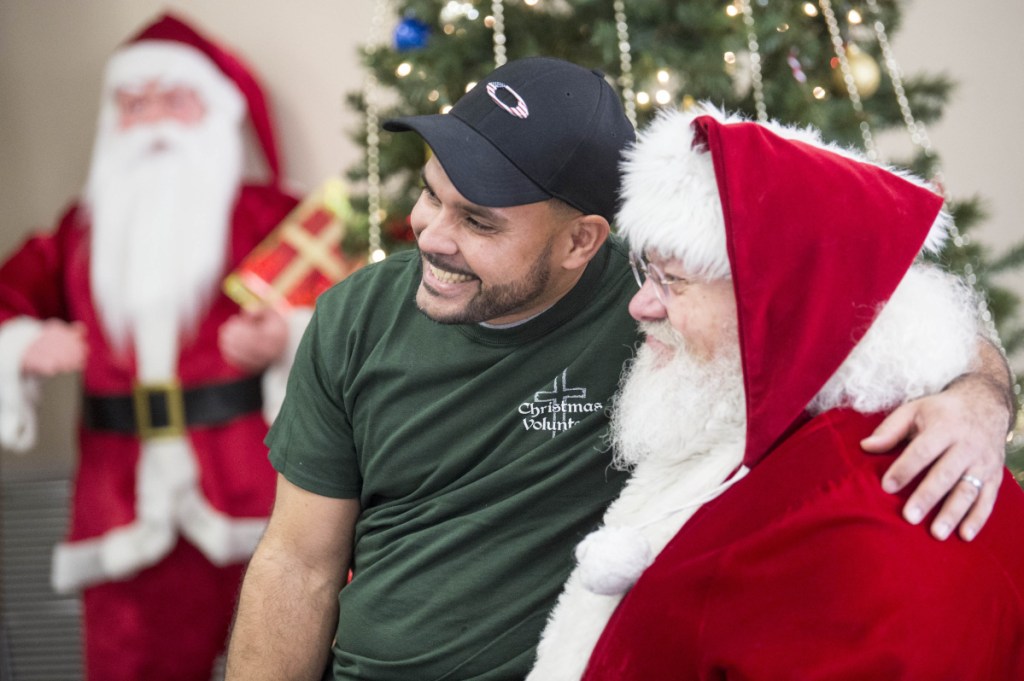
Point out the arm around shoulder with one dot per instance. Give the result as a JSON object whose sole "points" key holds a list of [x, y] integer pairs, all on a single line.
{"points": [[287, 610], [963, 431]]}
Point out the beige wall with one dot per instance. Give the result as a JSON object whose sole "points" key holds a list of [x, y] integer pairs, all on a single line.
{"points": [[52, 53], [979, 138]]}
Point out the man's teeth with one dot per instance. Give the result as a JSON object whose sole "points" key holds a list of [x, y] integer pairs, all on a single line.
{"points": [[446, 277]]}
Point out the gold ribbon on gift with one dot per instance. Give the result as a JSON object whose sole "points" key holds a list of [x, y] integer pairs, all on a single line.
{"points": [[309, 241]]}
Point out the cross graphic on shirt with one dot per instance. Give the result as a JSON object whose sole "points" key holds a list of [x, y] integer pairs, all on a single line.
{"points": [[560, 393]]}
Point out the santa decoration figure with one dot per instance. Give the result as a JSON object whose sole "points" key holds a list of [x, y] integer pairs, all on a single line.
{"points": [[172, 486]]}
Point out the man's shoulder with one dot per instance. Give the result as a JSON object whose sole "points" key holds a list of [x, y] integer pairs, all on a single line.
{"points": [[832, 488], [835, 437], [620, 273], [816, 478], [816, 505]]}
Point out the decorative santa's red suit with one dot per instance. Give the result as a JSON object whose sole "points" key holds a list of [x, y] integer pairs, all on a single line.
{"points": [[172, 488]]}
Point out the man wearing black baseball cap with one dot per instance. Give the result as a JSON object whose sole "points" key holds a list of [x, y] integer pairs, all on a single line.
{"points": [[535, 129], [441, 442]]}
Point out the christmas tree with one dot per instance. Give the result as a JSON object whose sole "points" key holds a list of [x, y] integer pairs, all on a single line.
{"points": [[824, 63]]}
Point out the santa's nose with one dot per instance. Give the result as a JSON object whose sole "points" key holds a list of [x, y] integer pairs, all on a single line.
{"points": [[155, 103], [646, 306]]}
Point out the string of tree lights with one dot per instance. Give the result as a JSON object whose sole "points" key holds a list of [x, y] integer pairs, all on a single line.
{"points": [[828, 63]]}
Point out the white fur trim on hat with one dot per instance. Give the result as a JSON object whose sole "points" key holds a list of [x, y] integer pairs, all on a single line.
{"points": [[670, 200]]}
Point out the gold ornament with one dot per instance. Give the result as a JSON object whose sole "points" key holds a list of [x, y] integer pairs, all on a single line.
{"points": [[863, 68]]}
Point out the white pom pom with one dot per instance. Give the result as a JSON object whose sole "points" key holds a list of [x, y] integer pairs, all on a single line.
{"points": [[612, 559]]}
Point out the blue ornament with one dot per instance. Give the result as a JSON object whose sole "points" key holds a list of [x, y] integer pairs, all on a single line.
{"points": [[411, 34]]}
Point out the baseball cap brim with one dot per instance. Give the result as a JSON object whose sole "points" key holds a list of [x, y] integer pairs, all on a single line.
{"points": [[480, 172]]}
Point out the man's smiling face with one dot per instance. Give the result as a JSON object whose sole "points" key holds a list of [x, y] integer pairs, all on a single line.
{"points": [[480, 264]]}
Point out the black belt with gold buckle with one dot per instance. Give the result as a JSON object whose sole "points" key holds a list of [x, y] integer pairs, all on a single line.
{"points": [[165, 410]]}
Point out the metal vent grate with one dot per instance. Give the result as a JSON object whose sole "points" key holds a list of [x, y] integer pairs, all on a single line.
{"points": [[40, 629]]}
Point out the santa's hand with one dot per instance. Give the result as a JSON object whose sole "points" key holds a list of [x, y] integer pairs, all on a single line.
{"points": [[961, 430], [59, 348], [253, 339]]}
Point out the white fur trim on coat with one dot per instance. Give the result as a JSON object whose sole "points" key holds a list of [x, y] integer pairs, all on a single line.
{"points": [[168, 501], [275, 378], [660, 496], [19, 394]]}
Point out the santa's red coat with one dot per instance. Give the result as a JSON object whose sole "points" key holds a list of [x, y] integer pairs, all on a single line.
{"points": [[48, 277], [805, 570]]}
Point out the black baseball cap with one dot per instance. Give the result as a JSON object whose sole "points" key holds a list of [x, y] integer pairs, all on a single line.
{"points": [[534, 129]]}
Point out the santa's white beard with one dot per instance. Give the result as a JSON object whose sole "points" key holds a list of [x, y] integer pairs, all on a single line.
{"points": [[160, 200], [679, 408]]}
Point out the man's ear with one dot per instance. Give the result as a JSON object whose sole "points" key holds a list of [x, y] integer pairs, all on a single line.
{"points": [[587, 233]]}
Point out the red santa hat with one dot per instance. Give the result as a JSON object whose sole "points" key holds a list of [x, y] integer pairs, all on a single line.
{"points": [[815, 237], [172, 50]]}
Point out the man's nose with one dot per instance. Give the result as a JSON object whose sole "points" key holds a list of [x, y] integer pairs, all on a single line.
{"points": [[437, 234], [645, 305]]}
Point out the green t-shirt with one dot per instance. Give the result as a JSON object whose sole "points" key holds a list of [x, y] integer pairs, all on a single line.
{"points": [[477, 455]]}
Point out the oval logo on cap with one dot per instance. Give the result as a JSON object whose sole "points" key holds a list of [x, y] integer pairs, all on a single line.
{"points": [[519, 110]]}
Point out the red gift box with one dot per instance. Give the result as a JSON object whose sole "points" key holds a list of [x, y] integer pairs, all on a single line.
{"points": [[301, 258]]}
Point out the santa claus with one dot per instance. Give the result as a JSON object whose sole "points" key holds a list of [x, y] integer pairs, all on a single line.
{"points": [[785, 316], [172, 486]]}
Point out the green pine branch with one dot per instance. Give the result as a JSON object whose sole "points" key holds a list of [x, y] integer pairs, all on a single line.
{"points": [[691, 39]]}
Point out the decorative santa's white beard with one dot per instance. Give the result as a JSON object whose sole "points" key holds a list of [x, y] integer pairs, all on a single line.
{"points": [[160, 199], [676, 409]]}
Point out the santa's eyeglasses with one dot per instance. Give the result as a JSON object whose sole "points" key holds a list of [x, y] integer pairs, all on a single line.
{"points": [[664, 284]]}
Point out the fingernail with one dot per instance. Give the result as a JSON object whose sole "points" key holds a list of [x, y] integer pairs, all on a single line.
{"points": [[889, 485], [968, 533], [913, 515], [941, 530]]}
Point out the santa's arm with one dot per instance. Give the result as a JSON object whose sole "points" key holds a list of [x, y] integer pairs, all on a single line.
{"points": [[18, 392], [31, 289], [32, 277], [31, 349], [962, 430]]}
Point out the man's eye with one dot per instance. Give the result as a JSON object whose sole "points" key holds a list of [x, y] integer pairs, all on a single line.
{"points": [[478, 226], [429, 195]]}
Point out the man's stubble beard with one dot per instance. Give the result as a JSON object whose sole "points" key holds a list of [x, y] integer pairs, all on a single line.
{"points": [[493, 302], [679, 408]]}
